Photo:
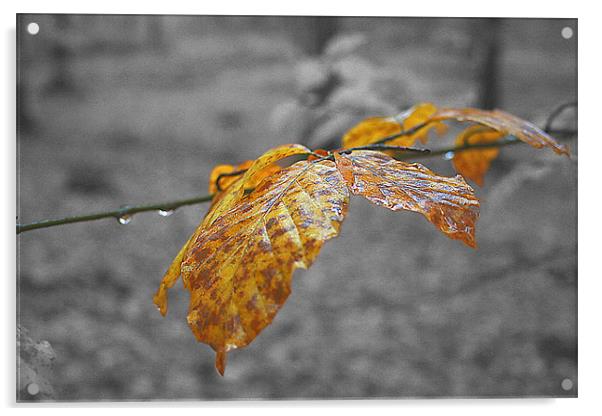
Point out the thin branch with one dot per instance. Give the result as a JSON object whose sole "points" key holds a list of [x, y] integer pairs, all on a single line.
{"points": [[123, 212], [547, 128], [223, 175], [407, 132], [556, 112], [242, 171], [378, 146], [506, 141], [169, 206]]}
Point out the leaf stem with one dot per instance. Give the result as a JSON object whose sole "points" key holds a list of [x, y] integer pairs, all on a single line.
{"points": [[405, 132], [223, 175], [380, 146]]}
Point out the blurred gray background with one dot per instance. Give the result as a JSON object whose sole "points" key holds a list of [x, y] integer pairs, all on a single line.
{"points": [[120, 110]]}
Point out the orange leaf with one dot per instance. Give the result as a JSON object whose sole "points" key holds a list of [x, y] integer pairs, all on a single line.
{"points": [[318, 154], [373, 129], [226, 181], [473, 164], [258, 170], [239, 268], [261, 168], [269, 221], [415, 116], [169, 279], [503, 122], [221, 172], [449, 203]]}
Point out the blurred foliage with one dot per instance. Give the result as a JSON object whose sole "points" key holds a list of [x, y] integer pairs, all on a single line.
{"points": [[336, 89]]}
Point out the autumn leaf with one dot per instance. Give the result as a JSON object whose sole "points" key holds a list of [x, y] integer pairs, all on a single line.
{"points": [[266, 221], [374, 129], [169, 279], [370, 131], [239, 268], [449, 203], [228, 174], [256, 171], [503, 122], [415, 117], [222, 202], [218, 174], [426, 117], [474, 163], [318, 154], [238, 265]]}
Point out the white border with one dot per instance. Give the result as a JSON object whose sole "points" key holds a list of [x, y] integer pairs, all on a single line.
{"points": [[466, 8], [590, 287]]}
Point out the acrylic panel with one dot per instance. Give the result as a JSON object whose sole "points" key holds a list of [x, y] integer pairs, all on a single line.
{"points": [[121, 120]]}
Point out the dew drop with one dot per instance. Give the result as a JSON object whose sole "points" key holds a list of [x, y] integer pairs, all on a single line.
{"points": [[448, 156], [125, 219], [166, 212]]}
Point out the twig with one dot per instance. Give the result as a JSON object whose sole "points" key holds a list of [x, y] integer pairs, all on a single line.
{"points": [[506, 141], [123, 212], [378, 146], [556, 112], [407, 132], [223, 175], [547, 128], [169, 206]]}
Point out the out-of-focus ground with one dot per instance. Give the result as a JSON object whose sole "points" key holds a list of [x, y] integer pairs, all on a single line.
{"points": [[129, 110]]}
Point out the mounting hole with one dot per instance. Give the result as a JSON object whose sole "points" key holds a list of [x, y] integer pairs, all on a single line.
{"points": [[566, 32], [567, 384], [33, 28], [33, 389]]}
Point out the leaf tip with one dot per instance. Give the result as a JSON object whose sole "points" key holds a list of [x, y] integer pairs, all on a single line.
{"points": [[220, 361], [471, 242], [160, 299], [563, 150]]}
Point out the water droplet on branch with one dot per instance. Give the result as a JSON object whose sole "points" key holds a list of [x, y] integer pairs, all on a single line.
{"points": [[166, 212], [125, 219]]}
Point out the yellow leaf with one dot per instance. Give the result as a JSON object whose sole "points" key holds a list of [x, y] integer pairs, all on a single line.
{"points": [[228, 174], [371, 130], [169, 279], [269, 221], [415, 116], [449, 203], [503, 122], [239, 268], [225, 181], [258, 170], [473, 164], [236, 189], [374, 129]]}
